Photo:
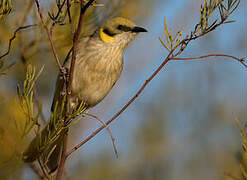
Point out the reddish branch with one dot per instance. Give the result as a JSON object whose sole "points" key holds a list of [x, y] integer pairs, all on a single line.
{"points": [[70, 79], [241, 60], [168, 58], [75, 43], [109, 132]]}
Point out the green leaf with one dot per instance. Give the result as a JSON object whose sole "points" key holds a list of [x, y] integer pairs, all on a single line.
{"points": [[162, 42]]}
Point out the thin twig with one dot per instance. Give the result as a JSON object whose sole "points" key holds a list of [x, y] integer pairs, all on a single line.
{"points": [[50, 38], [13, 37], [43, 169], [241, 60], [54, 19], [69, 15], [109, 131], [37, 171], [59, 11]]}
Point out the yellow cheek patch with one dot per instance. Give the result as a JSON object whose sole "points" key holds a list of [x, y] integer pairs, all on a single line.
{"points": [[105, 37]]}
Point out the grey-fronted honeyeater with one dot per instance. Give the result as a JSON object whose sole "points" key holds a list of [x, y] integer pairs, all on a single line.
{"points": [[99, 63]]}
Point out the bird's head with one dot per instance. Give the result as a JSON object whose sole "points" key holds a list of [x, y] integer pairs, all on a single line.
{"points": [[119, 31]]}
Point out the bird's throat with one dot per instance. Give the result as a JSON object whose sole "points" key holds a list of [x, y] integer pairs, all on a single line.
{"points": [[105, 37]]}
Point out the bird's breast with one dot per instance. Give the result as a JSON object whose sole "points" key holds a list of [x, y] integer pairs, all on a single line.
{"points": [[95, 75]]}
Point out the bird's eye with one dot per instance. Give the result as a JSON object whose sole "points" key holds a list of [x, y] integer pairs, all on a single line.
{"points": [[123, 28], [120, 27]]}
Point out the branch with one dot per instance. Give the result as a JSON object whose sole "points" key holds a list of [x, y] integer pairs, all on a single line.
{"points": [[75, 43], [70, 79], [43, 170], [50, 38], [69, 16], [54, 18], [37, 171], [168, 58], [241, 60], [14, 36], [109, 132]]}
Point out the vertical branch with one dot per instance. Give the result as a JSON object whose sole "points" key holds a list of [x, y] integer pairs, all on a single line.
{"points": [[70, 79], [75, 44]]}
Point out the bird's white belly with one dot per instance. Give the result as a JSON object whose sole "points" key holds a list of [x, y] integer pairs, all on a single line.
{"points": [[92, 85], [95, 91]]}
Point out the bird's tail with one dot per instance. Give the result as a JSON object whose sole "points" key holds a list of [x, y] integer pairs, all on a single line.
{"points": [[46, 147]]}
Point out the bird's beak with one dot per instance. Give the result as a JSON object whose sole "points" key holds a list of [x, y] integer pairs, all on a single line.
{"points": [[138, 29]]}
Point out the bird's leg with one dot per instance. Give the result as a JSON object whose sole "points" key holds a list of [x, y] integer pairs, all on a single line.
{"points": [[73, 103]]}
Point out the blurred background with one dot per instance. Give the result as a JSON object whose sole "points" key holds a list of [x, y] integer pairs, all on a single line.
{"points": [[181, 127]]}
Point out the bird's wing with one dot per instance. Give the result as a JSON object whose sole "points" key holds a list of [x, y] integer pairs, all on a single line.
{"points": [[60, 85]]}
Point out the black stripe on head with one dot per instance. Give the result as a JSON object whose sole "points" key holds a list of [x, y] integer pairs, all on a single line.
{"points": [[124, 28], [106, 31]]}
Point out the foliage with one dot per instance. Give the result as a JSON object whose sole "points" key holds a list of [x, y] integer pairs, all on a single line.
{"points": [[5, 7], [25, 96], [225, 8]]}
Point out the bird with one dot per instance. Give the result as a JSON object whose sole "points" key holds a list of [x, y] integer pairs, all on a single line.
{"points": [[98, 66]]}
